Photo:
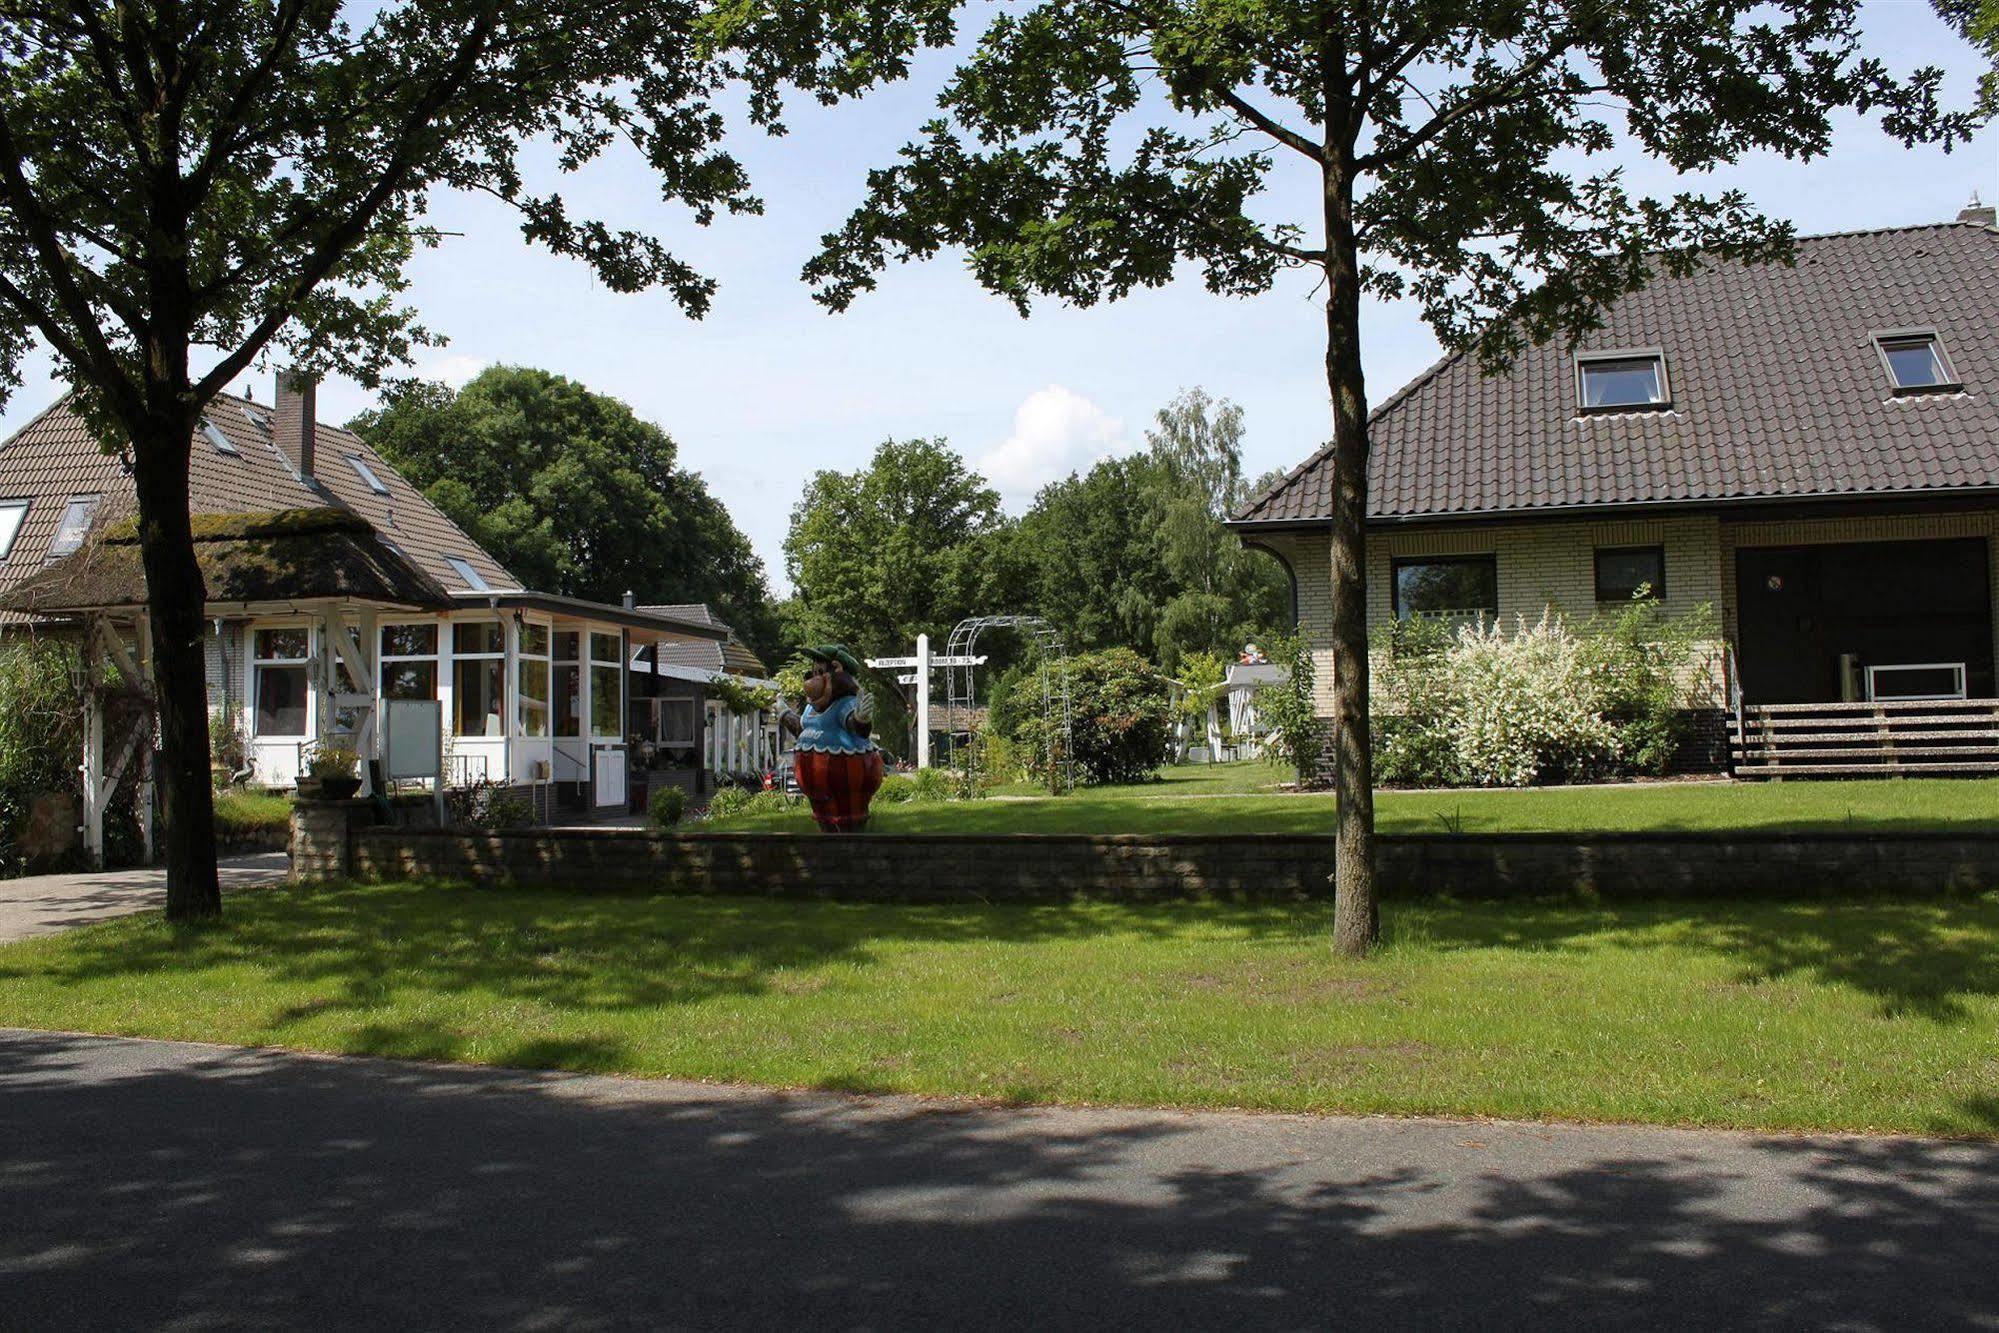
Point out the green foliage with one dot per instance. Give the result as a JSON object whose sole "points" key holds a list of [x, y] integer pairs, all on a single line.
{"points": [[896, 549], [1120, 719], [1201, 675], [666, 807], [741, 698], [333, 760], [926, 786], [729, 802], [228, 748], [41, 733], [1978, 21], [1288, 712], [246, 810], [572, 492], [1480, 705], [488, 806]]}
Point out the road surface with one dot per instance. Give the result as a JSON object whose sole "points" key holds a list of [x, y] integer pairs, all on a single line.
{"points": [[147, 1184]]}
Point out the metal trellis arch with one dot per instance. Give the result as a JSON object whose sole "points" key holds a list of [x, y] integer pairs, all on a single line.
{"points": [[961, 682]]}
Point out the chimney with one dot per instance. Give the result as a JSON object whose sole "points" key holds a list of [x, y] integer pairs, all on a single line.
{"points": [[293, 422], [631, 600], [1982, 215]]}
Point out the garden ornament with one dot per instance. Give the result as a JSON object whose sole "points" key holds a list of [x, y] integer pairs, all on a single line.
{"points": [[837, 763]]}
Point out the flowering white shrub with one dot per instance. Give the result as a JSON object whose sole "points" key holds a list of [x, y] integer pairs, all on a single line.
{"points": [[1479, 705]]}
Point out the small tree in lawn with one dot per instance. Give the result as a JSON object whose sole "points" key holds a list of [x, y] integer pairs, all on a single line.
{"points": [[184, 183], [1089, 146]]}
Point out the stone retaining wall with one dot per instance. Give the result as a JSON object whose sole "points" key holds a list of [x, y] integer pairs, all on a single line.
{"points": [[1050, 867]]}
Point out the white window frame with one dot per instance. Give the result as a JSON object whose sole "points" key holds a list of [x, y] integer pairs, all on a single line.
{"points": [[257, 664], [499, 656], [546, 660], [1956, 668], [10, 537], [385, 659], [580, 664], [221, 443], [1584, 360], [593, 664], [89, 505]]}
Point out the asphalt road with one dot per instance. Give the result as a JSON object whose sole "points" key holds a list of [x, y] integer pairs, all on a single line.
{"points": [[154, 1185], [44, 904]]}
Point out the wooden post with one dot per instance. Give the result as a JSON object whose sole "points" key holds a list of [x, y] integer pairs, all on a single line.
{"points": [[93, 744]]}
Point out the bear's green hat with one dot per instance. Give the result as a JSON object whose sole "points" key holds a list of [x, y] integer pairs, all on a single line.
{"points": [[834, 652]]}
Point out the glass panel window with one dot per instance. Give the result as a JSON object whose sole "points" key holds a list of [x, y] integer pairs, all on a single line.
{"points": [[1625, 381], [409, 680], [409, 640], [534, 697], [606, 648], [367, 474], [607, 704], [534, 640], [13, 513], [281, 701], [217, 441], [676, 722], [478, 688], [568, 646], [75, 525], [1457, 585], [568, 701], [284, 645], [1625, 572], [1915, 362], [478, 636], [463, 569]]}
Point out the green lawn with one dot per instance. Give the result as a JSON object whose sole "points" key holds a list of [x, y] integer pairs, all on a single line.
{"points": [[1240, 798], [1847, 1016], [245, 810]]}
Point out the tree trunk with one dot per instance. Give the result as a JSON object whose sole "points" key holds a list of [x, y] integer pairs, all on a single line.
{"points": [[1356, 915], [176, 598]]}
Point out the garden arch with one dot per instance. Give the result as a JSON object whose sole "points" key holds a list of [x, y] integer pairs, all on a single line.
{"points": [[961, 682]]}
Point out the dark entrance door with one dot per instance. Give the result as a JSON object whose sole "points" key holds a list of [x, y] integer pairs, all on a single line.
{"points": [[1800, 608]]}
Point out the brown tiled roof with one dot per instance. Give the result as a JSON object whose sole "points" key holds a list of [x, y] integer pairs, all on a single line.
{"points": [[731, 654], [1777, 393], [54, 457], [245, 558]]}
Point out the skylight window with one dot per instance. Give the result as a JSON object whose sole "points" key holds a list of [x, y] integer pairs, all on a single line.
{"points": [[463, 569], [75, 525], [223, 444], [1915, 361], [367, 474], [13, 513], [1623, 381]]}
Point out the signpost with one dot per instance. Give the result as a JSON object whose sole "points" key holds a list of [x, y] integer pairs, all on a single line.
{"points": [[920, 678]]}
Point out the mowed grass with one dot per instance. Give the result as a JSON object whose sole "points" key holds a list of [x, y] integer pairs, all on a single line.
{"points": [[1228, 799], [1854, 1015], [243, 810]]}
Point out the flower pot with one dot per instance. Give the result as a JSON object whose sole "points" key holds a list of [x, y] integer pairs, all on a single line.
{"points": [[339, 789]]}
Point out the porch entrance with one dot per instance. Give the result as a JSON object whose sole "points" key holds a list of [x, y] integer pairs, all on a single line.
{"points": [[1864, 621]]}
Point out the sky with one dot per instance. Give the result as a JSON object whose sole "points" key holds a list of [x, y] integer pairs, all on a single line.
{"points": [[771, 387]]}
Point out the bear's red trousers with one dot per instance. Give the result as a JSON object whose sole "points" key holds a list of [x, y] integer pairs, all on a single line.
{"points": [[840, 786]]}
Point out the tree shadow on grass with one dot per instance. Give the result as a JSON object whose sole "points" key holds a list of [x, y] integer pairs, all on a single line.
{"points": [[244, 1189]]}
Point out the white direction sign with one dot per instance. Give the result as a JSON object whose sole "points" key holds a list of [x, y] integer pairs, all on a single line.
{"points": [[920, 678], [909, 678], [890, 663]]}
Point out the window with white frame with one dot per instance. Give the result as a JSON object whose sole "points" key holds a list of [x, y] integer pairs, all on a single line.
{"points": [[409, 661], [534, 668], [1622, 382], [607, 685], [479, 678], [568, 701], [281, 681], [75, 526], [677, 722], [13, 515], [367, 474]]}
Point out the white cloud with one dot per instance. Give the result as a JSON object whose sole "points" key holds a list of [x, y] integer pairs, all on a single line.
{"points": [[453, 368], [1056, 431]]}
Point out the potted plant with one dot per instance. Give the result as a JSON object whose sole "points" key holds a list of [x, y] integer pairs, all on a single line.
{"points": [[332, 773]]}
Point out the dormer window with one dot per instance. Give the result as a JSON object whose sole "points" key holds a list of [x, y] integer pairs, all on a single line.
{"points": [[1915, 361], [1622, 381], [221, 443], [367, 474]]}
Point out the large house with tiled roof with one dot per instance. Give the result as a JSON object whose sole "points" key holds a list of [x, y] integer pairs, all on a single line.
{"points": [[1812, 449], [345, 607]]}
